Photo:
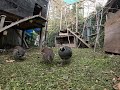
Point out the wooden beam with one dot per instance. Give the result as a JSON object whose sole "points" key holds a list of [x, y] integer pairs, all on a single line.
{"points": [[79, 38], [20, 21]]}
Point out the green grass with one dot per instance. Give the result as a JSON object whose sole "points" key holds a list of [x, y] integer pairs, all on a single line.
{"points": [[87, 71]]}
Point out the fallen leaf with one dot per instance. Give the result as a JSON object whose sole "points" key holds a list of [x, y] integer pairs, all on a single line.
{"points": [[28, 83], [10, 61], [114, 80]]}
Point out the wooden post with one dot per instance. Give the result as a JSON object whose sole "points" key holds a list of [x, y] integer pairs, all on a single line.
{"points": [[76, 17], [65, 16], [22, 44], [88, 29], [61, 20], [2, 20], [76, 23], [41, 38], [46, 24], [68, 38], [2, 24]]}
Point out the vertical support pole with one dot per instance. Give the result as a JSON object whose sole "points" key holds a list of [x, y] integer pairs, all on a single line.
{"points": [[40, 38], [68, 38], [46, 24], [55, 42], [65, 16], [2, 20], [106, 17], [2, 24], [76, 23], [88, 29], [88, 34], [22, 44], [76, 17], [61, 19]]}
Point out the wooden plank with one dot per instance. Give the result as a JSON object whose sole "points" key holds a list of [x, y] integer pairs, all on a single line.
{"points": [[20, 21], [112, 34], [79, 38]]}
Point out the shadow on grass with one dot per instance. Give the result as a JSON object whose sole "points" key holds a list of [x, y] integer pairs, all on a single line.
{"points": [[63, 63], [20, 60]]}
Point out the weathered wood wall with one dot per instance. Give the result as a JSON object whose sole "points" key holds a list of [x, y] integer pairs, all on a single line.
{"points": [[10, 40], [23, 8], [62, 40], [112, 33]]}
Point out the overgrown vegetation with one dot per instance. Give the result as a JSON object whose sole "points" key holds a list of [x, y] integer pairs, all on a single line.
{"points": [[53, 29], [87, 71]]}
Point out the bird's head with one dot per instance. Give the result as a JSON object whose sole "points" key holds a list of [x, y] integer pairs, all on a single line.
{"points": [[62, 49]]}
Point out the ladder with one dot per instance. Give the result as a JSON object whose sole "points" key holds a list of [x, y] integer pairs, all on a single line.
{"points": [[79, 38]]}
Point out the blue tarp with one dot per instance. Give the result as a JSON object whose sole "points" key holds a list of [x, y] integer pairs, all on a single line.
{"points": [[71, 1], [30, 31]]}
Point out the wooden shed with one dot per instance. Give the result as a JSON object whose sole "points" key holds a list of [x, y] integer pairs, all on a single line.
{"points": [[15, 11], [112, 27]]}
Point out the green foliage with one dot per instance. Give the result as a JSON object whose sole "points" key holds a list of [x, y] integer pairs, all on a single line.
{"points": [[93, 28], [51, 39], [53, 30]]}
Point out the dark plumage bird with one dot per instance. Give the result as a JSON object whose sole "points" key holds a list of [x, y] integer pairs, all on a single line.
{"points": [[65, 54], [18, 53], [47, 54]]}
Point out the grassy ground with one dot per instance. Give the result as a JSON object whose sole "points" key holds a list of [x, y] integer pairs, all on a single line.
{"points": [[87, 71]]}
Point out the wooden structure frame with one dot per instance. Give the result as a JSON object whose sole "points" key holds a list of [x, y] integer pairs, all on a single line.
{"points": [[112, 35], [65, 39], [23, 15], [69, 38]]}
